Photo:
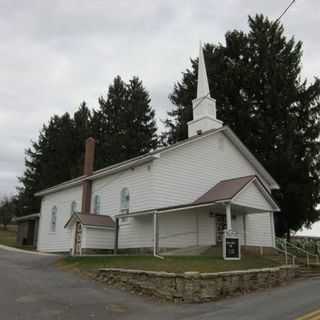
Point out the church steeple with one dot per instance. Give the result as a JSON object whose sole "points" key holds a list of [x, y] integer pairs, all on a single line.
{"points": [[204, 107], [203, 84]]}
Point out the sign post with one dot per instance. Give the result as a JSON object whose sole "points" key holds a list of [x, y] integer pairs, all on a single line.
{"points": [[231, 246]]}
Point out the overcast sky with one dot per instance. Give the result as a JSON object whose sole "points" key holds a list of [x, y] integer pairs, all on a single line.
{"points": [[54, 54]]}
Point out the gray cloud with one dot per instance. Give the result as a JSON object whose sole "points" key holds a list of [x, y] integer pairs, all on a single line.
{"points": [[54, 54]]}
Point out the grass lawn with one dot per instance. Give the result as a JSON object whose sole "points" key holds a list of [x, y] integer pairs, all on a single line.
{"points": [[8, 237], [170, 264]]}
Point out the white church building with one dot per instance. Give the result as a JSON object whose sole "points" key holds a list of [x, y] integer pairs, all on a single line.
{"points": [[184, 195]]}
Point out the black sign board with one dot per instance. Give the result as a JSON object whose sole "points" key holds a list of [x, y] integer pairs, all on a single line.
{"points": [[232, 249]]}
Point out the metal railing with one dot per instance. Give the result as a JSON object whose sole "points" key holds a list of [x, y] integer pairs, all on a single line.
{"points": [[287, 255], [286, 245]]}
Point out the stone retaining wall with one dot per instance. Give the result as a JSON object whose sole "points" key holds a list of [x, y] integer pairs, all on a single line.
{"points": [[194, 286]]}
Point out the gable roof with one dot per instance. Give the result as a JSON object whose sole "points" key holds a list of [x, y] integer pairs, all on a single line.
{"points": [[231, 189], [153, 155], [225, 190], [93, 220]]}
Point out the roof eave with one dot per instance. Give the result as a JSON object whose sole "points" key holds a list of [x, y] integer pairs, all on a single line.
{"points": [[254, 161]]}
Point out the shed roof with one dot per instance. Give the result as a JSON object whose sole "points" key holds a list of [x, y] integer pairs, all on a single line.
{"points": [[32, 216], [91, 220]]}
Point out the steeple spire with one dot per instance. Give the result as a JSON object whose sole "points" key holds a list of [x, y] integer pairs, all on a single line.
{"points": [[203, 84], [203, 106]]}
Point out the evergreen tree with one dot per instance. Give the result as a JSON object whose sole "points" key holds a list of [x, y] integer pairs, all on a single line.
{"points": [[56, 156], [256, 79], [82, 119], [126, 123], [123, 127]]}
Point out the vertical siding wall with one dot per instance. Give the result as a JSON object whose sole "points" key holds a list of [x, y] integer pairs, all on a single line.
{"points": [[59, 241]]}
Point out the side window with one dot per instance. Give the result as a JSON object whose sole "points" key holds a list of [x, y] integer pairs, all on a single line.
{"points": [[73, 208], [124, 199], [96, 204], [53, 222]]}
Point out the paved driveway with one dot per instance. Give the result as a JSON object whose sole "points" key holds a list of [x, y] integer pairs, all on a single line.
{"points": [[32, 288]]}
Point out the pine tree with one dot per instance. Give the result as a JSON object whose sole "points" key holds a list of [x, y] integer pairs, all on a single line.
{"points": [[56, 156], [256, 79], [82, 119], [123, 127], [126, 123]]}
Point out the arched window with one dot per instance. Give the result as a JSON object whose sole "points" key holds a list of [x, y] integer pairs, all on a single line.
{"points": [[124, 199], [53, 222], [96, 204], [73, 208]]}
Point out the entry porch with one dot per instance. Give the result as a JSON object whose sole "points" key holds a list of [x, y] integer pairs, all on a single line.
{"points": [[242, 206]]}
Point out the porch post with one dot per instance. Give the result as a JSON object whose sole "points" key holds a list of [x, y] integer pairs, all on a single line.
{"points": [[116, 236], [244, 222], [228, 216], [155, 234]]}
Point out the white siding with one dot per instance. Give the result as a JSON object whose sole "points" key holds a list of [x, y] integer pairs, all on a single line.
{"points": [[259, 229], [139, 183], [207, 228], [252, 197], [136, 232], [179, 176], [184, 174], [176, 230], [237, 226], [59, 241], [96, 238]]}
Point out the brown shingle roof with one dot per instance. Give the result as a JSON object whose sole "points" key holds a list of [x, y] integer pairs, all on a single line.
{"points": [[94, 220], [225, 190]]}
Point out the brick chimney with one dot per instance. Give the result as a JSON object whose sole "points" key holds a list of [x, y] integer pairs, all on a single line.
{"points": [[87, 171]]}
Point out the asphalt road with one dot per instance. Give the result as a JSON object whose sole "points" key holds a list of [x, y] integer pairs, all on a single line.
{"points": [[31, 287]]}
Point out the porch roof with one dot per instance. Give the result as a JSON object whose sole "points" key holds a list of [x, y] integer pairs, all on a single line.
{"points": [[225, 191], [32, 216], [93, 220]]}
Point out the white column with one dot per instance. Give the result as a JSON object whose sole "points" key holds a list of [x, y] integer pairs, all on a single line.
{"points": [[244, 222], [228, 216], [155, 234]]}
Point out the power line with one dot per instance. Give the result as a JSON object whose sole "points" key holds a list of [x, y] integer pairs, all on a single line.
{"points": [[285, 11]]}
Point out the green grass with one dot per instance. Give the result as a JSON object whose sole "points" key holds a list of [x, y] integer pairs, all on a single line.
{"points": [[8, 237], [170, 264]]}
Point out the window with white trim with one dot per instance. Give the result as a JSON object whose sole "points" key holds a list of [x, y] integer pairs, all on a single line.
{"points": [[96, 204], [73, 208], [124, 199], [53, 221]]}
